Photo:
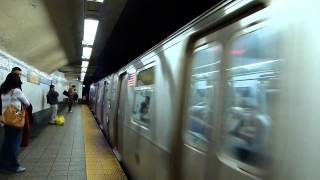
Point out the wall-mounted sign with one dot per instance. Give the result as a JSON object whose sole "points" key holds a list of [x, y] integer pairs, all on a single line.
{"points": [[44, 80], [33, 77]]}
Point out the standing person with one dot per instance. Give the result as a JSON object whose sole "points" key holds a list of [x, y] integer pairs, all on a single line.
{"points": [[70, 98], [144, 109], [75, 97], [17, 71], [28, 116], [52, 99], [11, 95]]}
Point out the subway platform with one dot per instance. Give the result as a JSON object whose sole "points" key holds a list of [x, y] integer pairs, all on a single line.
{"points": [[75, 151]]}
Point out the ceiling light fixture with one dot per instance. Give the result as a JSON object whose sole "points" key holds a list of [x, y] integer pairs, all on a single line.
{"points": [[84, 64], [86, 53], [90, 30], [100, 1], [84, 69]]}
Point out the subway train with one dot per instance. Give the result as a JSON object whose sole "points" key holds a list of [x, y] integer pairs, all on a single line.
{"points": [[232, 95]]}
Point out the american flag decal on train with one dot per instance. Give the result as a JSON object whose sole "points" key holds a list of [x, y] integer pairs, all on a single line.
{"points": [[132, 79]]}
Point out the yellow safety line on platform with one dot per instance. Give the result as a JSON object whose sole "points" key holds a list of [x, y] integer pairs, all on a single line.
{"points": [[101, 163]]}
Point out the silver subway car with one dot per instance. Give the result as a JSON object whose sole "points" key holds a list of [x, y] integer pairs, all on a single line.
{"points": [[233, 95]]}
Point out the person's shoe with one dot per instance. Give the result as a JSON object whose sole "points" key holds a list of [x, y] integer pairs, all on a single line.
{"points": [[51, 123], [70, 111], [20, 169]]}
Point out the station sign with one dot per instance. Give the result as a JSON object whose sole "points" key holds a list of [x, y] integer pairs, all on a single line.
{"points": [[33, 77], [45, 80]]}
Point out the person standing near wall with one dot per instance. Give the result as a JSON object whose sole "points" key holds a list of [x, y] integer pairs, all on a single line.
{"points": [[12, 98], [70, 98], [52, 99], [28, 116], [75, 97], [17, 71]]}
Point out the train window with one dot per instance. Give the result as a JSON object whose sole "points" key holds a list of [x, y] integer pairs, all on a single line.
{"points": [[142, 111], [204, 77], [253, 75], [145, 77]]}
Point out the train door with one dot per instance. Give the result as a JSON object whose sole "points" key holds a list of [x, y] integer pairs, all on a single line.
{"points": [[100, 102], [113, 99], [107, 107], [112, 109], [109, 104], [231, 104], [249, 78], [200, 108], [103, 104], [96, 99], [91, 97], [121, 112]]}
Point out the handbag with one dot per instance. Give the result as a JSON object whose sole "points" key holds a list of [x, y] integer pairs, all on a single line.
{"points": [[14, 117]]}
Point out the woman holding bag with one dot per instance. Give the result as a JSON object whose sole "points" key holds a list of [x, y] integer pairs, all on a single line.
{"points": [[13, 114]]}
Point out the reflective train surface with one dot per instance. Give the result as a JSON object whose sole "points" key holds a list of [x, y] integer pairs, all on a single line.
{"points": [[234, 94]]}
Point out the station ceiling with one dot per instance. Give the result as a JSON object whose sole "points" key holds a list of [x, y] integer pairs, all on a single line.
{"points": [[47, 34]]}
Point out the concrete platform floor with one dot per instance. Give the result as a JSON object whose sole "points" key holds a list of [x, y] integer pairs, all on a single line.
{"points": [[75, 151]]}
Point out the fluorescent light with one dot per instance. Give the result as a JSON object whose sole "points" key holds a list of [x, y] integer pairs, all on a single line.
{"points": [[85, 64], [249, 66], [86, 53], [90, 30], [84, 69], [101, 1]]}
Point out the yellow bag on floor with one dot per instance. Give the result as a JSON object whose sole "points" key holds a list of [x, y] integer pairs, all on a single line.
{"points": [[59, 120]]}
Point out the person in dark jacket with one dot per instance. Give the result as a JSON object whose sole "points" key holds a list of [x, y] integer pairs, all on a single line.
{"points": [[144, 109], [52, 99], [70, 99], [75, 97]]}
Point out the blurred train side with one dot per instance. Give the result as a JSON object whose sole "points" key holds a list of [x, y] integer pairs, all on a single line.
{"points": [[255, 57]]}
